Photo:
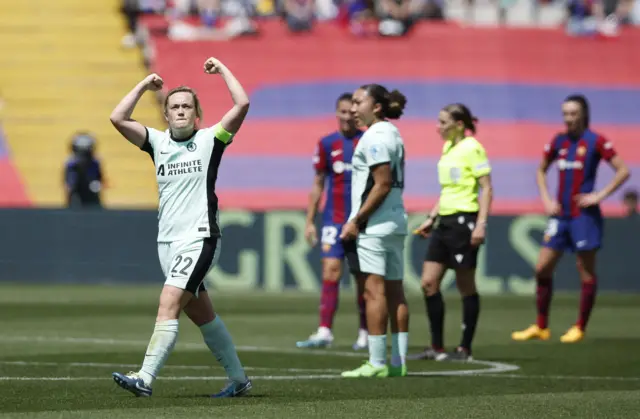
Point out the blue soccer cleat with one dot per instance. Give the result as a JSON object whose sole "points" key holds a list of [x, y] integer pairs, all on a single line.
{"points": [[133, 383], [234, 389]]}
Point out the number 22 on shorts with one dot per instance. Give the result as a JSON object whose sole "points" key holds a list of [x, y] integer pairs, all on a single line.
{"points": [[181, 266]]}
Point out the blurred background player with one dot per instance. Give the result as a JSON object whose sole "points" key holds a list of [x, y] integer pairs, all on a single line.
{"points": [[187, 159], [332, 163], [462, 218], [83, 178], [630, 202], [375, 233], [576, 222]]}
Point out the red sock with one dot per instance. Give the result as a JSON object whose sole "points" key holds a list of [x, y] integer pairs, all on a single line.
{"points": [[587, 300], [362, 312], [328, 302], [544, 291]]}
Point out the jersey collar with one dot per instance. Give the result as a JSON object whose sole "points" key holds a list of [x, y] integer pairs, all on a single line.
{"points": [[182, 140]]}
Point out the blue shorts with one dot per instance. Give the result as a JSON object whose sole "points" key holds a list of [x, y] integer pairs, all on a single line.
{"points": [[330, 241], [574, 234]]}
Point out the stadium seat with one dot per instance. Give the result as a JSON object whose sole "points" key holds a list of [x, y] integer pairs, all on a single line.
{"points": [[63, 70]]}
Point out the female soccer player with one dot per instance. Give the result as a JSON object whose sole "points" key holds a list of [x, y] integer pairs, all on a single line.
{"points": [[575, 222], [186, 158], [462, 219], [332, 163], [375, 233]]}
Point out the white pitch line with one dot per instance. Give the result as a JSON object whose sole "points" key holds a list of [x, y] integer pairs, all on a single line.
{"points": [[493, 367], [187, 345], [175, 367], [325, 377]]}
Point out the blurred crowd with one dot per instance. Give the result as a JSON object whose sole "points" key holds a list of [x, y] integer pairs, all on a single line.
{"points": [[228, 18], [223, 19]]}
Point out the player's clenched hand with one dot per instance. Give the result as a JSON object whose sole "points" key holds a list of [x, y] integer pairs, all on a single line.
{"points": [[213, 66], [311, 234], [425, 228], [153, 82], [552, 207], [586, 200], [349, 231], [478, 234]]}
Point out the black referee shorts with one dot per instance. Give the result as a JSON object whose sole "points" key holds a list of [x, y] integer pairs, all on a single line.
{"points": [[450, 242]]}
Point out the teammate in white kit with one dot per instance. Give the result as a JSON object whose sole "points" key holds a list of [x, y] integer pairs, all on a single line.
{"points": [[186, 159], [375, 233]]}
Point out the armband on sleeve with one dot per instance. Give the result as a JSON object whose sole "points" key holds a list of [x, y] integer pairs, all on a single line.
{"points": [[222, 134]]}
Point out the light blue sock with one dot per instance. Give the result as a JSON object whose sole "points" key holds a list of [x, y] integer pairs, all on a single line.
{"points": [[218, 339], [164, 338], [399, 348], [377, 350]]}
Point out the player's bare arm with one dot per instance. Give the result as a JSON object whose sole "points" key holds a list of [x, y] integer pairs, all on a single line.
{"points": [[317, 189], [552, 207], [382, 180], [479, 231], [425, 228], [131, 129], [233, 119], [622, 174]]}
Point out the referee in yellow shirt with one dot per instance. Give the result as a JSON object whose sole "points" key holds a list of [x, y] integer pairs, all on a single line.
{"points": [[459, 222]]}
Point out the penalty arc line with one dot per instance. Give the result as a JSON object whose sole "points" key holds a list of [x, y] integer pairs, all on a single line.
{"points": [[494, 370], [492, 367]]}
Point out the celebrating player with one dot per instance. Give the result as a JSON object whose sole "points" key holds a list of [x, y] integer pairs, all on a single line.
{"points": [[462, 220], [186, 159], [375, 233], [332, 163], [575, 223]]}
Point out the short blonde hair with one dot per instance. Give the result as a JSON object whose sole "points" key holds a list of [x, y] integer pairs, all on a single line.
{"points": [[187, 89]]}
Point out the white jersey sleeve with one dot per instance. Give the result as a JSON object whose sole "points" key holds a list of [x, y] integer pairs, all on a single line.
{"points": [[377, 150]]}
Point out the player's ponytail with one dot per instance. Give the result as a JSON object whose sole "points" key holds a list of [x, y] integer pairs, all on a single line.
{"points": [[460, 113], [391, 104], [397, 102]]}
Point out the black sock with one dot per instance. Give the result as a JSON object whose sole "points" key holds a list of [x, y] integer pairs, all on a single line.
{"points": [[435, 312], [470, 312]]}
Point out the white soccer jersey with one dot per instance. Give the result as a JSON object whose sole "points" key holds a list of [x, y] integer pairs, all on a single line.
{"points": [[186, 171], [381, 143]]}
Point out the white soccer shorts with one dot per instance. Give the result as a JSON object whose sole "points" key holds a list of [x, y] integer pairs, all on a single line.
{"points": [[377, 255], [185, 263]]}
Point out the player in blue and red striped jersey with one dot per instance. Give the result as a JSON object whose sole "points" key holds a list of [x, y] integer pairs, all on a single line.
{"points": [[576, 222], [332, 163]]}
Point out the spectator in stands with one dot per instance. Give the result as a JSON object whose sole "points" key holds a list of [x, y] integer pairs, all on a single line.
{"points": [[620, 10], [238, 12], [630, 201], [583, 16], [635, 13], [397, 16], [354, 14], [299, 14], [589, 17], [132, 9], [83, 178]]}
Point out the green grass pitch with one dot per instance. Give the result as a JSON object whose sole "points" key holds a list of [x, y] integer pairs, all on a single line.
{"points": [[59, 345]]}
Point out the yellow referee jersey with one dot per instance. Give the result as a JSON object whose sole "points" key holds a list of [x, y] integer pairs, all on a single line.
{"points": [[459, 168]]}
